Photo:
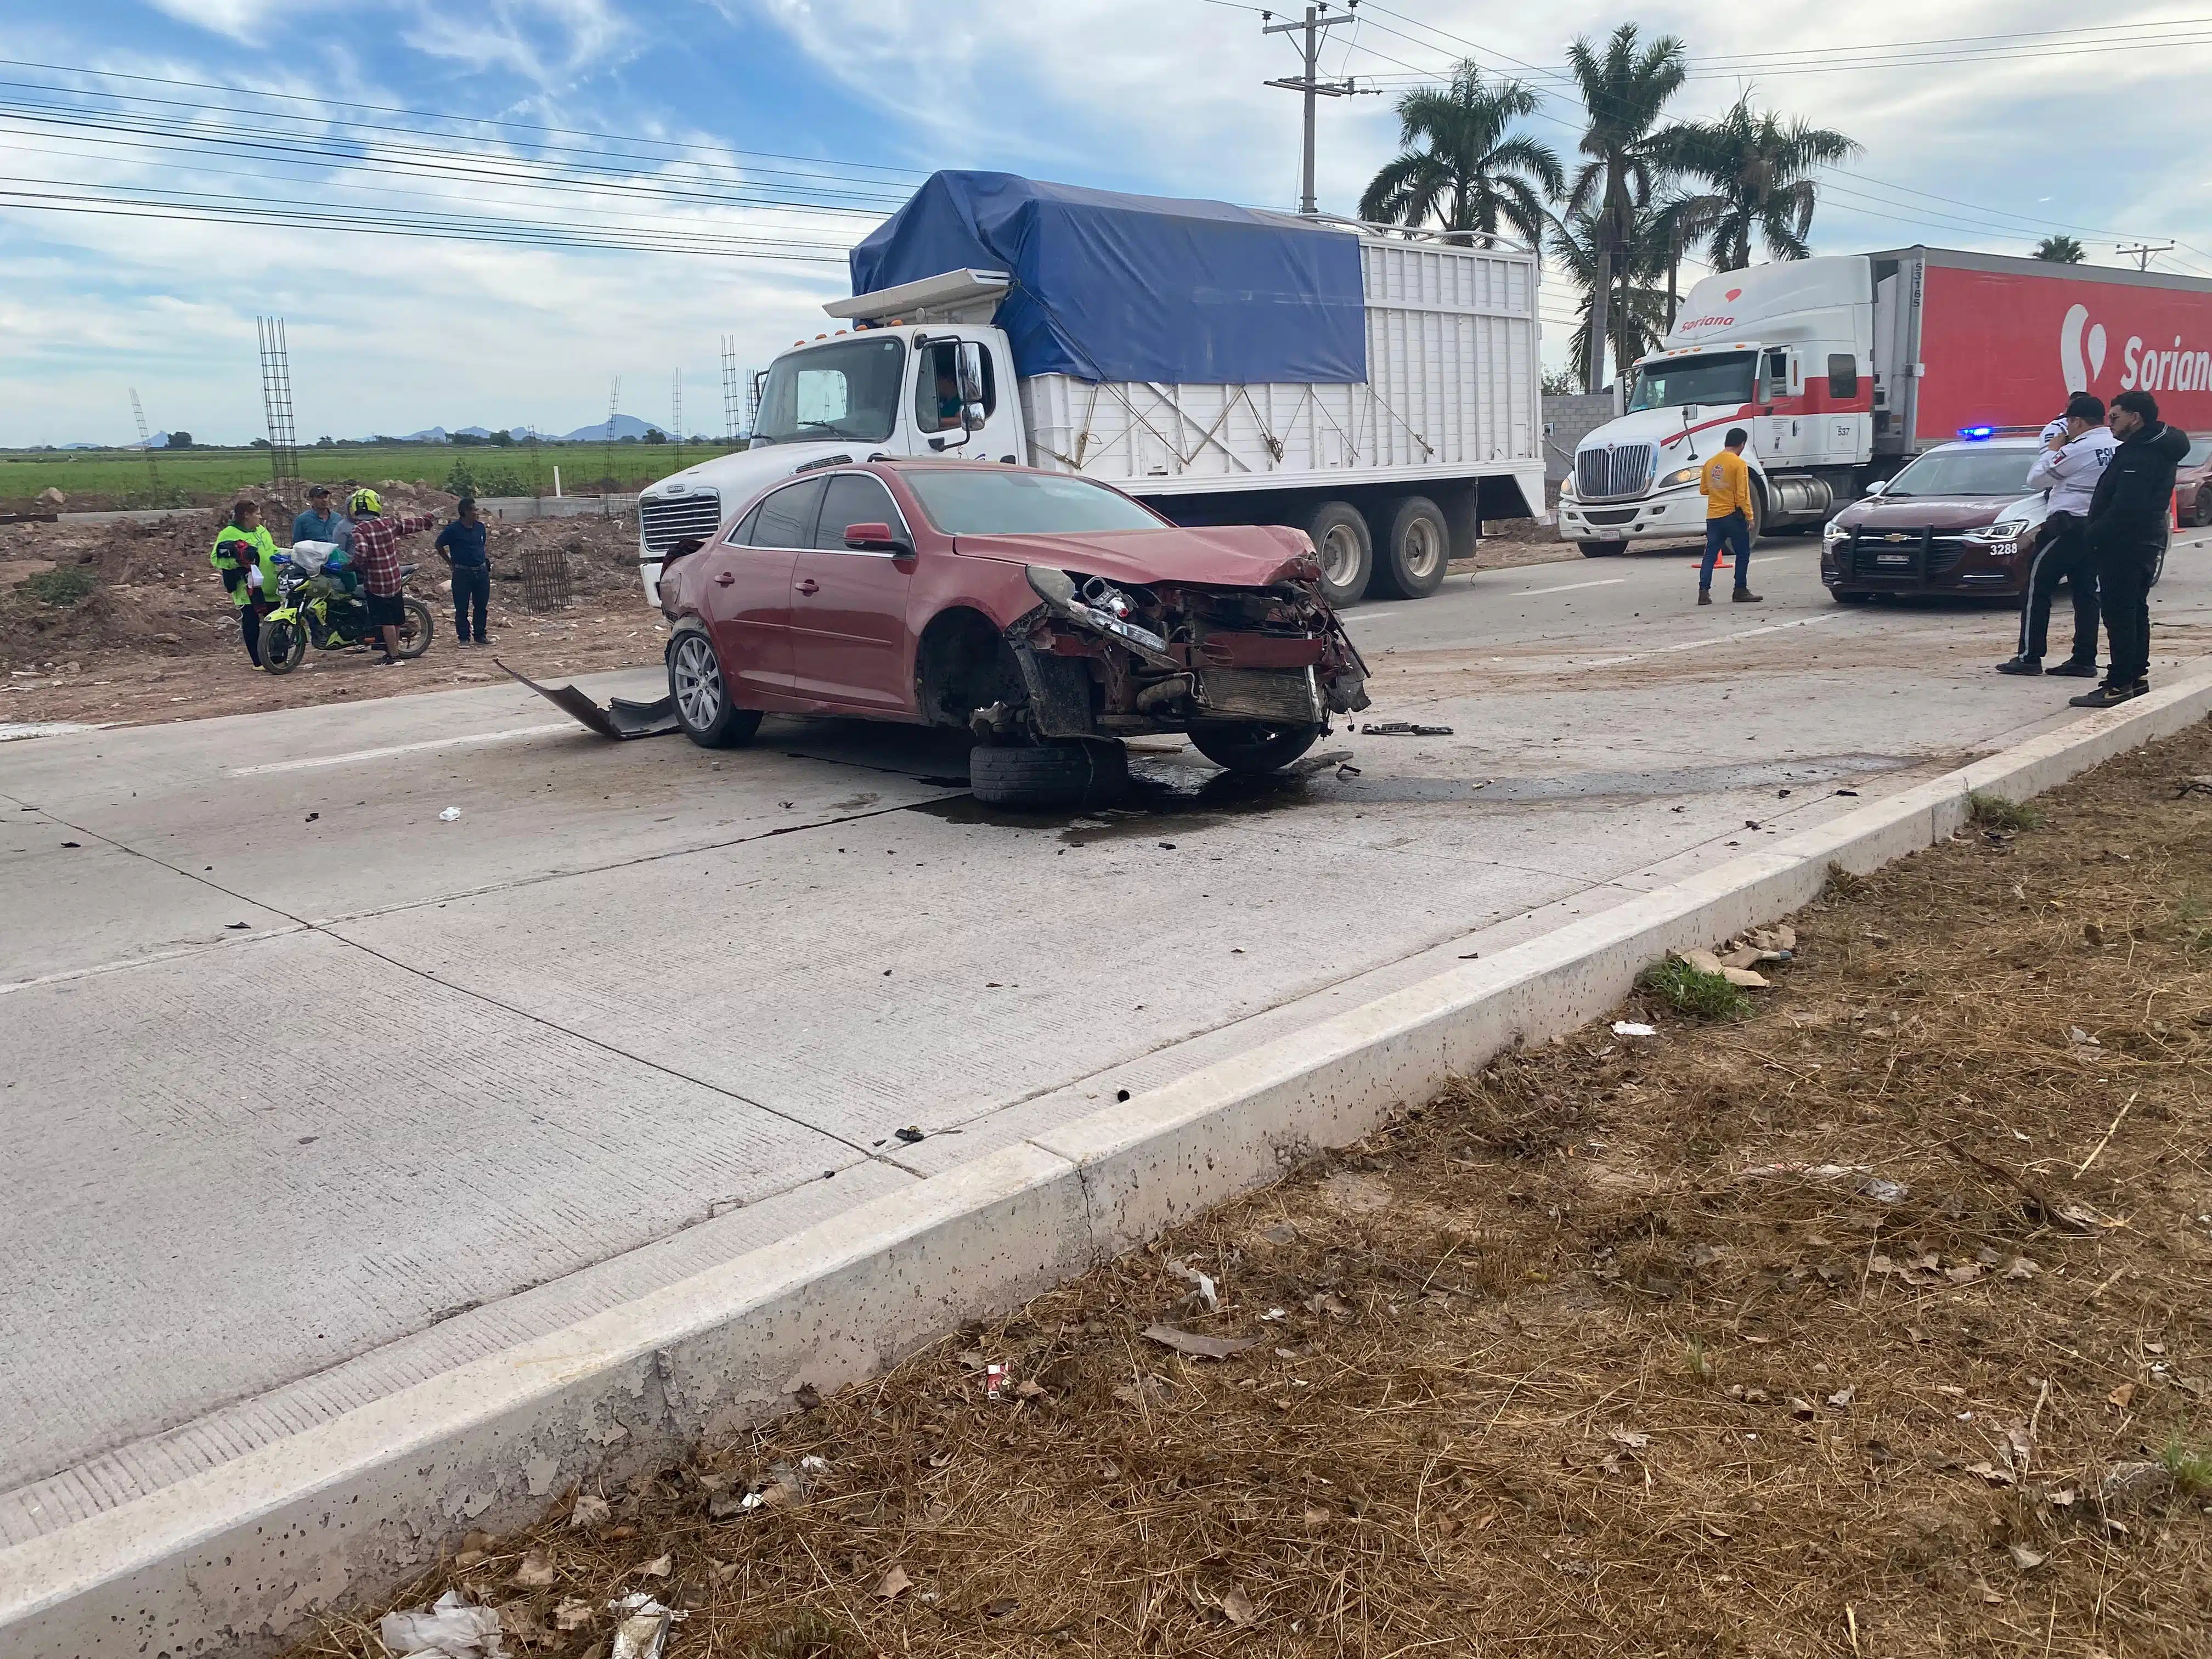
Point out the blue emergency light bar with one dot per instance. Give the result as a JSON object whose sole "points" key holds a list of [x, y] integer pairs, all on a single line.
{"points": [[1972, 432]]}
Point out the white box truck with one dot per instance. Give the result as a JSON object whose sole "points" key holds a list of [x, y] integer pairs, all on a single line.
{"points": [[1843, 367], [1226, 366]]}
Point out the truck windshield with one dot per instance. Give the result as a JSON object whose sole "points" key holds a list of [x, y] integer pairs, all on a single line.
{"points": [[1722, 380], [1968, 470], [849, 390], [990, 501]]}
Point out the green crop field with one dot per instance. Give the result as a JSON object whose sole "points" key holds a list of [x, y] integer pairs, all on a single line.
{"points": [[97, 478]]}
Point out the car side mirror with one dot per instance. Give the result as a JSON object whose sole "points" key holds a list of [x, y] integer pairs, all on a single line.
{"points": [[1879, 487], [874, 538], [972, 417]]}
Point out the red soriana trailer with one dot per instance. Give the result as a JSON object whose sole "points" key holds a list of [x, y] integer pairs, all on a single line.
{"points": [[1982, 341], [1841, 368]]}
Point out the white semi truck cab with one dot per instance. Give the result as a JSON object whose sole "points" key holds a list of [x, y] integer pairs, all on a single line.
{"points": [[1785, 351]]}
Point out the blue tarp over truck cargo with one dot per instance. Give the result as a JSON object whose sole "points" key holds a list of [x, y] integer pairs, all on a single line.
{"points": [[1109, 287]]}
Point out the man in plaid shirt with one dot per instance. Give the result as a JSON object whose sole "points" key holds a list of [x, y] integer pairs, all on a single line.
{"points": [[376, 557]]}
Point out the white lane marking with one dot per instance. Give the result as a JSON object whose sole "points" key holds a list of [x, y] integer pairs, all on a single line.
{"points": [[313, 760], [1570, 587], [1717, 639]]}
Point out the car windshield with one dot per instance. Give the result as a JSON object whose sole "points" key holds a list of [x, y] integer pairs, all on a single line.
{"points": [[2199, 450], [1965, 471], [849, 390], [1722, 380], [990, 501]]}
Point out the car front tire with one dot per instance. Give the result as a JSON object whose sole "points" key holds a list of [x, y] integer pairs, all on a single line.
{"points": [[701, 695], [1249, 746], [1084, 772]]}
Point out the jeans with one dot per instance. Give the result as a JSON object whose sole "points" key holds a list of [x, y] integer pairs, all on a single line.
{"points": [[471, 588], [249, 625], [2062, 553], [1733, 530], [2123, 583]]}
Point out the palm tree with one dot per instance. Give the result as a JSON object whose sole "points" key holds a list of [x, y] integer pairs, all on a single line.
{"points": [[1758, 170], [1625, 86], [1461, 167], [2060, 251], [1637, 307]]}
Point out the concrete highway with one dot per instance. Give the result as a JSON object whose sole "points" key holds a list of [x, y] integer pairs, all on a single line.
{"points": [[311, 1093]]}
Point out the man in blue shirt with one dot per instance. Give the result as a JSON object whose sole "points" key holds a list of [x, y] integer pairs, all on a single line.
{"points": [[462, 541], [322, 522]]}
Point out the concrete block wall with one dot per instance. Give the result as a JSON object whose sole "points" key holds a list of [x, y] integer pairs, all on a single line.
{"points": [[1566, 421]]}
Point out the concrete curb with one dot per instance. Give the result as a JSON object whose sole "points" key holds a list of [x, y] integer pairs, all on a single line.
{"points": [[242, 1557]]}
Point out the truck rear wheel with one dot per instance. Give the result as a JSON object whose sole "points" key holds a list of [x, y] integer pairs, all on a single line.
{"points": [[1415, 550], [1347, 555]]}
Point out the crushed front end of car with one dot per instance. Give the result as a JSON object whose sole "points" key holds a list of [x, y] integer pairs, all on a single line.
{"points": [[1117, 659]]}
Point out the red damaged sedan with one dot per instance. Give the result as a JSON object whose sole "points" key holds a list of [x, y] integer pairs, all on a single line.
{"points": [[1049, 615]]}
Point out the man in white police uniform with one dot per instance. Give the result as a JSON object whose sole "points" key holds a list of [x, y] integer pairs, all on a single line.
{"points": [[2075, 448]]}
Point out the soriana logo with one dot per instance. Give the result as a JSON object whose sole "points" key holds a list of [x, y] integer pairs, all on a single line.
{"points": [[2144, 366]]}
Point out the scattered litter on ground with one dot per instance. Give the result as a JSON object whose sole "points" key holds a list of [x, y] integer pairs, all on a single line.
{"points": [[450, 1628], [911, 1133], [641, 1628], [449, 815], [1403, 729], [1197, 1345], [1633, 1028]]}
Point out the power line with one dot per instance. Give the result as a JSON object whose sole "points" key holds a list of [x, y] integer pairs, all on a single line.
{"points": [[601, 138], [237, 210], [489, 166]]}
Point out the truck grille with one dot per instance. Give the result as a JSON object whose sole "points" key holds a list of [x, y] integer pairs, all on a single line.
{"points": [[661, 524], [1610, 474]]}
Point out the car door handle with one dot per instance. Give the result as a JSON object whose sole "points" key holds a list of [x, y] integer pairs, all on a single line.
{"points": [[810, 586], [724, 580]]}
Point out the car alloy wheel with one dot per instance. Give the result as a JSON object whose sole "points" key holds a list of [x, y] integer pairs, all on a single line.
{"points": [[697, 680]]}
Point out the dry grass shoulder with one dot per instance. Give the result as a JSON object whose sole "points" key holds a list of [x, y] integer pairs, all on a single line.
{"points": [[1874, 1323]]}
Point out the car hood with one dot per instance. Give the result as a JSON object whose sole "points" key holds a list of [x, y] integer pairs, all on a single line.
{"points": [[1937, 512], [739, 476], [1235, 556]]}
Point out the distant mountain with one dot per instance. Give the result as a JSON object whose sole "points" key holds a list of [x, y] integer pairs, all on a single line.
{"points": [[429, 434], [626, 426], [159, 440], [85, 445]]}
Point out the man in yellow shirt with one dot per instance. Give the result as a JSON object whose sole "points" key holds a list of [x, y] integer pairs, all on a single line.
{"points": [[1726, 483]]}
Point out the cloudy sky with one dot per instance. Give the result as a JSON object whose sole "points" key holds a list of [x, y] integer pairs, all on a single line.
{"points": [[787, 127]]}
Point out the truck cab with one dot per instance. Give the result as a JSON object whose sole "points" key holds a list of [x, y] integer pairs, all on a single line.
{"points": [[1784, 351], [915, 375]]}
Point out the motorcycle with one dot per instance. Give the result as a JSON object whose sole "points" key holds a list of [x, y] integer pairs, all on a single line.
{"points": [[315, 606]]}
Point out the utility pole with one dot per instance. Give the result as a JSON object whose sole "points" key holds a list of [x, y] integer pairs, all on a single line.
{"points": [[2143, 251], [1318, 20]]}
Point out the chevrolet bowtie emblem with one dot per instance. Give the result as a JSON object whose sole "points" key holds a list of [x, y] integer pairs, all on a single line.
{"points": [[1894, 537]]}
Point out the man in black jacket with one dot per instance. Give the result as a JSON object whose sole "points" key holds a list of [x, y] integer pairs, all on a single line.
{"points": [[2128, 516]]}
